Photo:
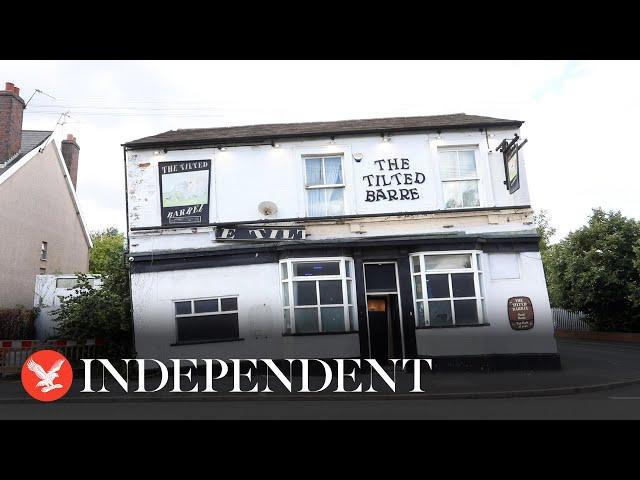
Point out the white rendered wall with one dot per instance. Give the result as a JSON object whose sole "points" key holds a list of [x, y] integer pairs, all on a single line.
{"points": [[242, 177], [260, 316], [499, 337]]}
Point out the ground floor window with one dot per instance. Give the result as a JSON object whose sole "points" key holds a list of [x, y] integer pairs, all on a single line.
{"points": [[318, 295], [447, 288], [206, 319]]}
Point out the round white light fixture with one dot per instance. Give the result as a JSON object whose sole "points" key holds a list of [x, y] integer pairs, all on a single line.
{"points": [[358, 156]]}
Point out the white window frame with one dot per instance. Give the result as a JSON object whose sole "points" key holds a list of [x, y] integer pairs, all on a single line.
{"points": [[203, 314], [478, 176], [342, 276], [477, 283], [323, 186]]}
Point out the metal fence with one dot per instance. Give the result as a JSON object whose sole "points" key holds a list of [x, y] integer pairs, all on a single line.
{"points": [[13, 353], [569, 321]]}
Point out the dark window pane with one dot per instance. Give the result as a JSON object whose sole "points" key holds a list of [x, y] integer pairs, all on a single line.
{"points": [[440, 313], [330, 292], [332, 319], [420, 313], [304, 293], [204, 306], [306, 320], [438, 286], [316, 268], [183, 308], [380, 278], [208, 327], [466, 311], [462, 284], [227, 304]]}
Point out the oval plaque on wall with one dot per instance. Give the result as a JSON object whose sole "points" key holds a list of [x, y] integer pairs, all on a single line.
{"points": [[520, 313]]}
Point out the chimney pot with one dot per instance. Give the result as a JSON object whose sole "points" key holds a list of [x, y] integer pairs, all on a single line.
{"points": [[71, 153], [11, 108]]}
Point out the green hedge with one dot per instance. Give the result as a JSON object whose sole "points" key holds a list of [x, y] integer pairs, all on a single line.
{"points": [[17, 323]]}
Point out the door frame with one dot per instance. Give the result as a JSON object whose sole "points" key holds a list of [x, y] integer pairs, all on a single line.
{"points": [[397, 292]]}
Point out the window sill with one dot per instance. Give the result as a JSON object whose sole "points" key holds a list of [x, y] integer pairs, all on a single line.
{"points": [[200, 342], [432, 327], [318, 334]]}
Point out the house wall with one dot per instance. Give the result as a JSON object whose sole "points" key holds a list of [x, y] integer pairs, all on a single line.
{"points": [[36, 206], [261, 321], [242, 177], [260, 315]]}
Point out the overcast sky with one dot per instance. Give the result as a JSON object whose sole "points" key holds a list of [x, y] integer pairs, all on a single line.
{"points": [[580, 117]]}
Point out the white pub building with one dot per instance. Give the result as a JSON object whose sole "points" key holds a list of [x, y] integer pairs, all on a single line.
{"points": [[376, 238]]}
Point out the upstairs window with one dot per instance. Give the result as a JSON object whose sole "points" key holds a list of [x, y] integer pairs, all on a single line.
{"points": [[43, 251], [324, 185], [459, 174]]}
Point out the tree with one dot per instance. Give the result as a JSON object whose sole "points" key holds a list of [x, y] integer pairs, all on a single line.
{"points": [[596, 270], [101, 312], [106, 254], [542, 219]]}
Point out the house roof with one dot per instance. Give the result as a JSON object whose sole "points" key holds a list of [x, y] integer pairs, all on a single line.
{"points": [[277, 131], [30, 139]]}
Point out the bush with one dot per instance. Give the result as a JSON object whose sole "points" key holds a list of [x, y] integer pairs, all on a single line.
{"points": [[101, 312], [17, 323]]}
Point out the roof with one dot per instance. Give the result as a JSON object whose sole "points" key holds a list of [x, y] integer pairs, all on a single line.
{"points": [[30, 139], [276, 131]]}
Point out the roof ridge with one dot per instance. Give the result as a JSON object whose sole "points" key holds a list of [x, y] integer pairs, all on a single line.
{"points": [[231, 133], [368, 119]]}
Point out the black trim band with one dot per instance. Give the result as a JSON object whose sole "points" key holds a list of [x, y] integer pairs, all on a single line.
{"points": [[460, 325], [373, 248], [200, 342], [318, 334]]}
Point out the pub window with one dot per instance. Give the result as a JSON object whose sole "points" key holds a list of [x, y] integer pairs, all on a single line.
{"points": [[206, 319], [43, 251], [318, 295], [459, 175], [447, 288], [324, 185]]}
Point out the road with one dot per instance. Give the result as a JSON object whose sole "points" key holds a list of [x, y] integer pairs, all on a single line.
{"points": [[621, 403], [584, 363]]}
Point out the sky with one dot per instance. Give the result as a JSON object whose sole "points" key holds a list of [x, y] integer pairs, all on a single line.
{"points": [[580, 116]]}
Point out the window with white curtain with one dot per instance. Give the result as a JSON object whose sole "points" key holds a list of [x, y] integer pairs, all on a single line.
{"points": [[447, 288], [318, 295], [324, 185], [459, 175]]}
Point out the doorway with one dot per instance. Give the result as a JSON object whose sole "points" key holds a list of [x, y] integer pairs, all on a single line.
{"points": [[384, 313]]}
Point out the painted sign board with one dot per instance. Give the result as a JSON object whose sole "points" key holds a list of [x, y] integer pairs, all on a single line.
{"points": [[262, 233], [185, 188], [520, 310]]}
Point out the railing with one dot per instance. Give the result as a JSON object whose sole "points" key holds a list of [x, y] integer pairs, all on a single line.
{"points": [[13, 353], [569, 321]]}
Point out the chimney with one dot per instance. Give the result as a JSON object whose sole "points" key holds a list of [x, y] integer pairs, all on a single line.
{"points": [[71, 153], [11, 107]]}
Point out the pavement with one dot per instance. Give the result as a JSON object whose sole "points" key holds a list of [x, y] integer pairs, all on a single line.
{"points": [[587, 367]]}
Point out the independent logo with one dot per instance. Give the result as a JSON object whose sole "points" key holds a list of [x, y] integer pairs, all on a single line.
{"points": [[47, 375]]}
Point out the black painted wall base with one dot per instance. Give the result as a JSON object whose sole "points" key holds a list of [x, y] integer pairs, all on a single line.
{"points": [[488, 363]]}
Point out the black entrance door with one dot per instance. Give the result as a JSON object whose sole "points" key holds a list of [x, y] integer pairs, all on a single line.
{"points": [[378, 309]]}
